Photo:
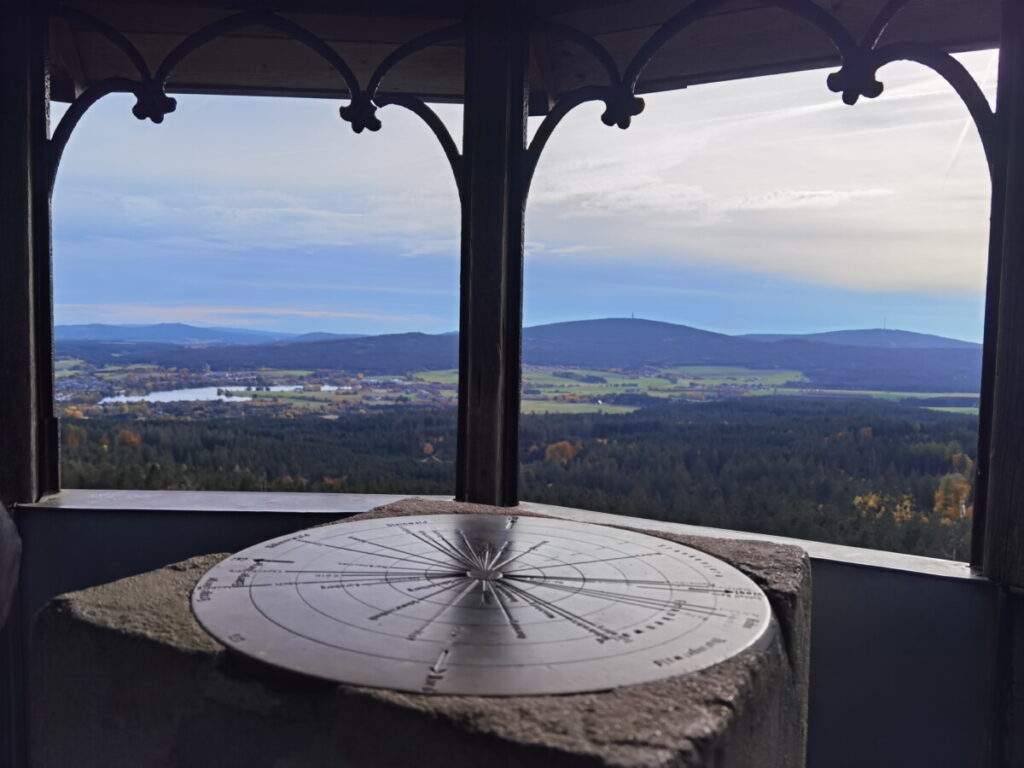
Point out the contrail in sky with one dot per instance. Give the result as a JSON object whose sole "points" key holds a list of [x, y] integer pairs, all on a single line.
{"points": [[969, 123]]}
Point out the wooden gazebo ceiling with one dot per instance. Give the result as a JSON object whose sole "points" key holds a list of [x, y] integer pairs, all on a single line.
{"points": [[741, 38]]}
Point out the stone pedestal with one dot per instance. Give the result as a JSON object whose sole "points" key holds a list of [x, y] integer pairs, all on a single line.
{"points": [[123, 676]]}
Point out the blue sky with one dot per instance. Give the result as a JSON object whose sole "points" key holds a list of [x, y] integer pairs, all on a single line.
{"points": [[753, 206]]}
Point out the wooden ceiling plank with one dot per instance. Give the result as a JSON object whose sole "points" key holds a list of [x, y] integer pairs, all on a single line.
{"points": [[740, 39]]}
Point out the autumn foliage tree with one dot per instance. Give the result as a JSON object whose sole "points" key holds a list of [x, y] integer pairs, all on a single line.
{"points": [[127, 437], [75, 435], [898, 507], [951, 497], [561, 452]]}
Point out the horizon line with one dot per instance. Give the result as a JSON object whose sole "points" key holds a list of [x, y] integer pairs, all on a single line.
{"points": [[741, 334]]}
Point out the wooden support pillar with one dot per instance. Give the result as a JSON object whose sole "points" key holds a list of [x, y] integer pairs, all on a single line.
{"points": [[1002, 553], [988, 357], [494, 140], [28, 429]]}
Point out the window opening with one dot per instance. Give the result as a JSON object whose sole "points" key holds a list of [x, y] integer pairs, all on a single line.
{"points": [[775, 312], [249, 297]]}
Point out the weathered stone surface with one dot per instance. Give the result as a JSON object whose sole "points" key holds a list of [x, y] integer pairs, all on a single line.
{"points": [[124, 676]]}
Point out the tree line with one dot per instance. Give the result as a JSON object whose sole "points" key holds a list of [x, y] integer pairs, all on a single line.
{"points": [[859, 472]]}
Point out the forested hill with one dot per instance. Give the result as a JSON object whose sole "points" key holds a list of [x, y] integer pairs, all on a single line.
{"points": [[883, 338], [391, 354], [610, 343]]}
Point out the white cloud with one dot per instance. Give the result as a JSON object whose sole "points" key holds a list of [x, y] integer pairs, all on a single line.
{"points": [[773, 175], [260, 220], [574, 249], [196, 184], [347, 288], [780, 178]]}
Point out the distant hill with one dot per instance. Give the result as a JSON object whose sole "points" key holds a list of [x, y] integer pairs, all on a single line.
{"points": [[609, 343], [322, 336], [181, 333], [629, 343], [390, 354], [633, 344], [881, 338]]}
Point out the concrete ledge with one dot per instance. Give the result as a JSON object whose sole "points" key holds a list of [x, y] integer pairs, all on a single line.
{"points": [[124, 676]]}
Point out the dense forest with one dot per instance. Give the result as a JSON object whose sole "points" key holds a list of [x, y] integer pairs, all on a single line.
{"points": [[859, 472]]}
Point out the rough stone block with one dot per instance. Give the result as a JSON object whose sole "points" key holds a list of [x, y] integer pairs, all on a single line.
{"points": [[123, 675]]}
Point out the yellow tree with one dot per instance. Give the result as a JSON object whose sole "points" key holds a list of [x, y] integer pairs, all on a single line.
{"points": [[951, 497]]}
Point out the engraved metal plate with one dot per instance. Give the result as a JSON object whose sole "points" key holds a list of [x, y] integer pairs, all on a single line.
{"points": [[482, 605]]}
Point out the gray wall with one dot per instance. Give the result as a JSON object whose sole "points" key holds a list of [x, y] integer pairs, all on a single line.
{"points": [[902, 669]]}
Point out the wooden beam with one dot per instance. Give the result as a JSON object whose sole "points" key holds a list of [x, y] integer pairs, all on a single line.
{"points": [[65, 61], [28, 433], [988, 359], [1002, 553], [494, 145], [744, 38], [27, 427]]}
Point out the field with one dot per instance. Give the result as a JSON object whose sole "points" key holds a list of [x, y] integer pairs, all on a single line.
{"points": [[551, 406], [324, 402], [545, 389], [450, 378], [875, 394], [736, 375], [580, 390], [662, 382], [67, 367]]}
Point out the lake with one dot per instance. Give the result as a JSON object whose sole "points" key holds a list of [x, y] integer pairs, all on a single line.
{"points": [[196, 394]]}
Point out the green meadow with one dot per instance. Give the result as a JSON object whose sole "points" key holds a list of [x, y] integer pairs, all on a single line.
{"points": [[555, 390]]}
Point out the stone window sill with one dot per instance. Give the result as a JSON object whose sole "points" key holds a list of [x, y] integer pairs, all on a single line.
{"points": [[341, 504]]}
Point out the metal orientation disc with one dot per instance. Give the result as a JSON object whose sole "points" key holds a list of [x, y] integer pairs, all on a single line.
{"points": [[486, 605]]}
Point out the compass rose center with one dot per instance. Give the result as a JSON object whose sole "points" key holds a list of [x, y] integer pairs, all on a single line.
{"points": [[484, 574]]}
